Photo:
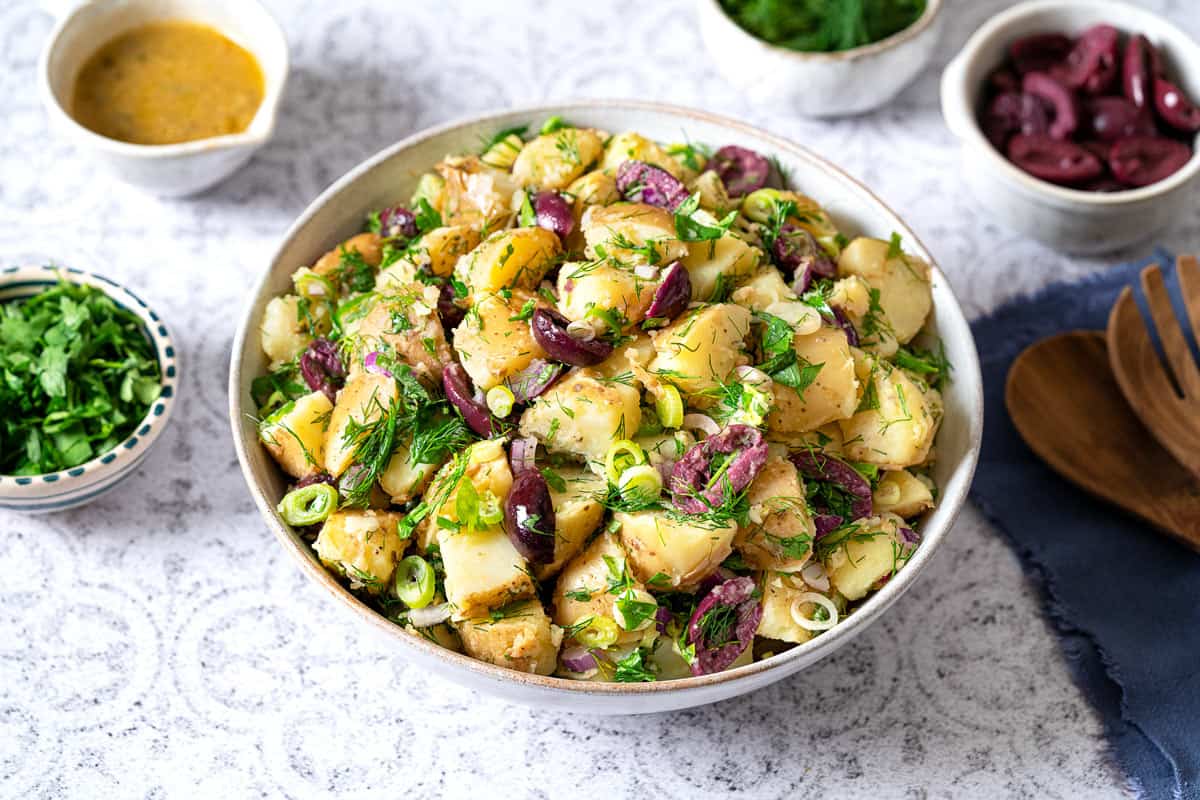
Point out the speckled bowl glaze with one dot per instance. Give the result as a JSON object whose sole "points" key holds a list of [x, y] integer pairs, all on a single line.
{"points": [[1065, 219], [820, 84], [58, 491], [339, 213]]}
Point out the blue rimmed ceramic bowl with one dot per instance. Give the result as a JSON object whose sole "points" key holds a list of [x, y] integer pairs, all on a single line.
{"points": [[56, 491]]}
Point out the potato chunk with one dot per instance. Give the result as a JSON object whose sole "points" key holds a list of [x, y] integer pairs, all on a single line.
{"points": [[515, 259], [631, 146], [441, 247], [492, 341], [485, 465], [832, 395], [475, 194], [554, 160], [363, 546], [577, 513], [335, 264], [901, 293], [603, 286], [402, 479], [897, 419], [717, 266], [523, 638], [483, 570], [295, 434], [405, 321], [780, 533], [284, 330], [582, 415], [701, 348], [363, 400], [902, 493], [683, 551], [582, 588], [870, 551], [632, 233], [780, 593]]}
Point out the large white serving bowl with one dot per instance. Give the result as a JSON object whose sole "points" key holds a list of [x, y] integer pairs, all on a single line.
{"points": [[390, 177]]}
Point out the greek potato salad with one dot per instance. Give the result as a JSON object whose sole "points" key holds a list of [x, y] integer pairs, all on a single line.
{"points": [[601, 407]]}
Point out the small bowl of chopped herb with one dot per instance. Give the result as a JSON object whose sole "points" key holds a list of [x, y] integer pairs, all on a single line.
{"points": [[87, 384], [821, 58]]}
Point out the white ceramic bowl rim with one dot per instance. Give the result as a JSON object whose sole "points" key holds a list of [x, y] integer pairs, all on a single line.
{"points": [[932, 7], [260, 129], [969, 95], [952, 498], [155, 420]]}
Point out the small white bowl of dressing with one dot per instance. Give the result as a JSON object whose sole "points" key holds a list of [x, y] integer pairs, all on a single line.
{"points": [[181, 166]]}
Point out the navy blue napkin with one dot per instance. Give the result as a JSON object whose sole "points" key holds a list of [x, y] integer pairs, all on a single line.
{"points": [[1125, 599]]}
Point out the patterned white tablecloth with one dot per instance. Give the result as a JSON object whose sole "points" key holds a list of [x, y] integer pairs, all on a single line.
{"points": [[158, 643]]}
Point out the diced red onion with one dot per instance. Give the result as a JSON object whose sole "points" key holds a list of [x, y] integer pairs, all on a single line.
{"points": [[752, 376], [371, 364], [579, 660], [523, 453], [701, 422], [910, 536], [662, 617], [825, 524], [814, 575]]}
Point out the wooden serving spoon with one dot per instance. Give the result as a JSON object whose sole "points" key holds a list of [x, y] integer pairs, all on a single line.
{"points": [[1067, 407], [1165, 397]]}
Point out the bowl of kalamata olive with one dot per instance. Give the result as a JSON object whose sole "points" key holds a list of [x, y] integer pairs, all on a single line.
{"points": [[1078, 121]]}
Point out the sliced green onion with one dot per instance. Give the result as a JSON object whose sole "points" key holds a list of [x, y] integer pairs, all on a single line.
{"points": [[669, 407], [600, 633], [500, 401], [553, 124], [642, 482], [490, 513], [308, 505], [621, 456], [415, 582]]}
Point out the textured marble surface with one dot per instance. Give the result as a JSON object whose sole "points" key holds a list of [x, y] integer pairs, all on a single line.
{"points": [[157, 643]]}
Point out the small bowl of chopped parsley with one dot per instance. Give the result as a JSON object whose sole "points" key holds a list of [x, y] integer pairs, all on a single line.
{"points": [[87, 384], [821, 58]]}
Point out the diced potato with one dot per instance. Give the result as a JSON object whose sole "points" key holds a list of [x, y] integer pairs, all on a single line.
{"points": [[871, 552], [492, 342], [718, 266], [685, 552], [406, 321], [714, 196], [577, 514], [665, 446], [582, 587], [631, 146], [284, 330], [631, 358], [402, 479], [363, 400], [633, 233], [763, 288], [827, 438], [364, 546], [701, 348], [602, 286], [484, 571], [513, 259], [904, 290], [897, 421], [809, 215], [780, 533], [832, 395], [295, 434], [367, 245], [441, 248], [523, 639], [901, 493], [582, 415], [594, 189], [475, 194], [486, 467], [554, 160], [780, 593]]}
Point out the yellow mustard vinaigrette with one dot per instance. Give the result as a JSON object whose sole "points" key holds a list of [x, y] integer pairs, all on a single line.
{"points": [[168, 82]]}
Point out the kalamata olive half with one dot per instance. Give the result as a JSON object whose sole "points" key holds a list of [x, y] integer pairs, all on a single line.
{"points": [[322, 369], [1053, 160], [640, 182], [397, 221], [1136, 79], [553, 212], [1092, 63], [448, 310], [457, 385], [822, 467], [797, 253], [741, 170], [1059, 97], [691, 491], [534, 380], [672, 296], [825, 524], [723, 625], [1038, 52], [1014, 112], [529, 517], [1143, 160], [1003, 81], [1110, 118], [1174, 107], [844, 323], [550, 331]]}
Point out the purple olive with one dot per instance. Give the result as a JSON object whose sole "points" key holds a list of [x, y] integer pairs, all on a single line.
{"points": [[313, 478], [640, 182], [1103, 184], [695, 486], [741, 170], [1059, 97], [529, 517], [457, 385], [397, 221], [322, 368], [1003, 81], [553, 213], [1174, 108], [1053, 160], [844, 323], [723, 625], [550, 331], [1014, 112], [1110, 118], [1091, 66], [1137, 81], [1144, 160], [534, 380], [822, 467], [797, 253], [449, 312], [1038, 52], [825, 524], [672, 296]]}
